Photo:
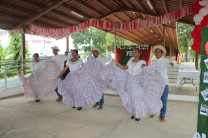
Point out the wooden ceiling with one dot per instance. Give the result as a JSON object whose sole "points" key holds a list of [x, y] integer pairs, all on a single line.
{"points": [[15, 14]]}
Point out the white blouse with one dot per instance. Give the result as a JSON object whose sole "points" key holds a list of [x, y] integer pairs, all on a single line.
{"points": [[73, 66], [35, 65], [135, 68]]}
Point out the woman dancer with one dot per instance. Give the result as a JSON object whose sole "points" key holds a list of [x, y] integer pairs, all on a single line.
{"points": [[140, 88], [83, 86], [34, 66], [72, 64], [42, 81]]}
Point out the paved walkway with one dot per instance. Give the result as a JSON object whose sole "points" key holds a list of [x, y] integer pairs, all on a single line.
{"points": [[10, 82], [23, 118]]}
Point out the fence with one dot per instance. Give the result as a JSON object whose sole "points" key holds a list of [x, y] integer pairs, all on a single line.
{"points": [[8, 67]]}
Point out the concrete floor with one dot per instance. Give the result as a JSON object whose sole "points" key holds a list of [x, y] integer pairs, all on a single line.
{"points": [[23, 118], [187, 89]]}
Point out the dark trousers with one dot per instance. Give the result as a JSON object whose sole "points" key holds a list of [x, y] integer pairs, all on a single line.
{"points": [[59, 95]]}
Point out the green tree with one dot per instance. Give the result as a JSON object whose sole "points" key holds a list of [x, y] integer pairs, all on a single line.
{"points": [[185, 39], [2, 53], [92, 37], [13, 50]]}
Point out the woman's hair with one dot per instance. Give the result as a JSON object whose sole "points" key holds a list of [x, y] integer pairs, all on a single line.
{"points": [[36, 54], [76, 51], [137, 49]]}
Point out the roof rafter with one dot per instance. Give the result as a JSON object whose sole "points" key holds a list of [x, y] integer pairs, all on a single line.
{"points": [[141, 5], [129, 9], [87, 7], [72, 9], [186, 22], [21, 20], [69, 19], [173, 27], [165, 6], [129, 4], [120, 3], [181, 4], [130, 32], [102, 4], [39, 14]]}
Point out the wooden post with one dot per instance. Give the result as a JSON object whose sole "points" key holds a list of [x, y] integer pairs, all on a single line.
{"points": [[170, 53], [67, 44], [196, 61], [115, 45], [164, 35], [23, 52]]}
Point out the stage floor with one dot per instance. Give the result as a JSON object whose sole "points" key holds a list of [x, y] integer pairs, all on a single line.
{"points": [[23, 118]]}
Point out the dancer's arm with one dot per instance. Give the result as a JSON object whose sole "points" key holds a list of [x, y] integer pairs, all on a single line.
{"points": [[109, 58], [26, 68], [121, 66], [143, 65], [63, 71]]}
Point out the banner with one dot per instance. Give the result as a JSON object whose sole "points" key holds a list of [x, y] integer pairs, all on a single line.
{"points": [[124, 54]]}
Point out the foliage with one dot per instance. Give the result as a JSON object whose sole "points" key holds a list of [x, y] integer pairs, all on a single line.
{"points": [[2, 53], [13, 50], [185, 39], [92, 37]]}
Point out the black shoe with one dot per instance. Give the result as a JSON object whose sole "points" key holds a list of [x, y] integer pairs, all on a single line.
{"points": [[79, 108], [137, 119], [132, 117], [73, 107], [37, 100]]}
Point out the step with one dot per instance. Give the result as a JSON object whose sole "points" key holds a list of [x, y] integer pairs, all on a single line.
{"points": [[172, 69], [172, 73], [172, 77]]}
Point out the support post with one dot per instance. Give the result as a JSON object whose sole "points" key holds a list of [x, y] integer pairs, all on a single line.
{"points": [[202, 118], [115, 45], [164, 35], [196, 61], [67, 44], [23, 52]]}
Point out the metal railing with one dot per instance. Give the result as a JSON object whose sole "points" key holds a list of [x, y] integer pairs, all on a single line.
{"points": [[8, 67]]}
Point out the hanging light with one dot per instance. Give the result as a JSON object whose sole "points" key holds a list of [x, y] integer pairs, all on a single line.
{"points": [[77, 14], [149, 4]]}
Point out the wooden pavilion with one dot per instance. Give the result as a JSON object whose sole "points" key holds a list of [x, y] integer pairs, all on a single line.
{"points": [[17, 14]]}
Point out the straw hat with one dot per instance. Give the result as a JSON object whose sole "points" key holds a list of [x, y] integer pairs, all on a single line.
{"points": [[55, 47], [96, 49], [159, 47]]}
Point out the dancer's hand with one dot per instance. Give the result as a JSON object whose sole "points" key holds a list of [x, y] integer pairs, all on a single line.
{"points": [[116, 62], [58, 77], [143, 65]]}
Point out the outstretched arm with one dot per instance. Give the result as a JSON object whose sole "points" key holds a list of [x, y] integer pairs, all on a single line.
{"points": [[109, 58], [26, 68], [121, 66], [63, 71], [143, 65]]}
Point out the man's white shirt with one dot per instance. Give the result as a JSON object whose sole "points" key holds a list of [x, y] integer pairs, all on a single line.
{"points": [[162, 67], [104, 60], [59, 59]]}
